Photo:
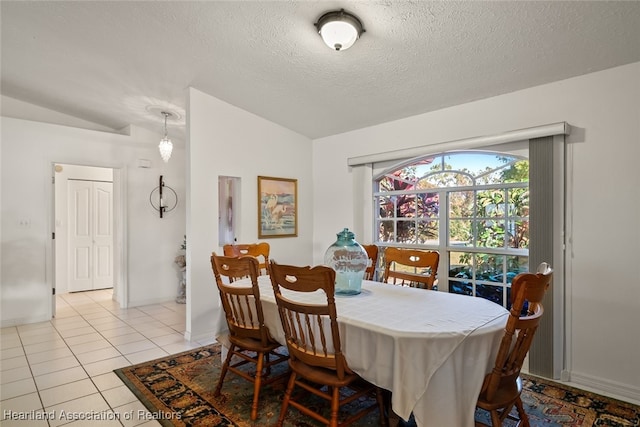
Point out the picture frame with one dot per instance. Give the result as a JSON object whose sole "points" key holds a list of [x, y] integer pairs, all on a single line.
{"points": [[277, 207]]}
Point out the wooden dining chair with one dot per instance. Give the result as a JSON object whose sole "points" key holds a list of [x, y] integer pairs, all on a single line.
{"points": [[313, 341], [372, 253], [411, 267], [258, 250], [249, 337], [502, 387]]}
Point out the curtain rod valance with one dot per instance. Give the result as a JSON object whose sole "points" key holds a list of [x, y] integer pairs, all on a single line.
{"points": [[560, 128]]}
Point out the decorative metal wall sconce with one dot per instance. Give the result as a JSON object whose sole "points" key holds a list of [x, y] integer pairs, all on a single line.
{"points": [[163, 198]]}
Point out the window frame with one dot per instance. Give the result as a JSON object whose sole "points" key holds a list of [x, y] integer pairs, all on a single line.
{"points": [[443, 244]]}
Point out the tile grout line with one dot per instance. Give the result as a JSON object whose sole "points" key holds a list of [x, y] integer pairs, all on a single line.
{"points": [[85, 309], [99, 391], [33, 377], [38, 390]]}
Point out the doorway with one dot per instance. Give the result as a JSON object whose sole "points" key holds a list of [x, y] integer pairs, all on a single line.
{"points": [[90, 234], [85, 224]]}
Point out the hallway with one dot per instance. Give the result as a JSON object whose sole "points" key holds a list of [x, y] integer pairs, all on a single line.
{"points": [[64, 366]]}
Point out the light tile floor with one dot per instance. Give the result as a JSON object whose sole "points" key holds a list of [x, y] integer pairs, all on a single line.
{"points": [[63, 369]]}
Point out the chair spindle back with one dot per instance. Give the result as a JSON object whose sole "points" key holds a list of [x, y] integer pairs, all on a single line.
{"points": [[410, 267], [311, 328], [258, 250]]}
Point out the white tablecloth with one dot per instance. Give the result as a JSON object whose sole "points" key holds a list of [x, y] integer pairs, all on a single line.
{"points": [[431, 349]]}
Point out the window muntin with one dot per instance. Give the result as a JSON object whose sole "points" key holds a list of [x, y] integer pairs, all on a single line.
{"points": [[482, 231]]}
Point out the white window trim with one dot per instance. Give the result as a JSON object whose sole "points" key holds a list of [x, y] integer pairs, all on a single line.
{"points": [[560, 128]]}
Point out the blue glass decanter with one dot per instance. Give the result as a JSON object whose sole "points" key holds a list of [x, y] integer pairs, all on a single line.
{"points": [[349, 259]]}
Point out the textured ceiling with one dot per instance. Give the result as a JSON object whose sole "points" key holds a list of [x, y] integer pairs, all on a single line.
{"points": [[118, 62]]}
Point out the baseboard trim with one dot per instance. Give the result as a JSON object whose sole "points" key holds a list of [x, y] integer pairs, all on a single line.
{"points": [[151, 301], [613, 389], [202, 336], [6, 323]]}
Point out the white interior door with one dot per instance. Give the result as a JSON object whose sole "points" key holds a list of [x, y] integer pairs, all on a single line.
{"points": [[103, 235], [90, 235]]}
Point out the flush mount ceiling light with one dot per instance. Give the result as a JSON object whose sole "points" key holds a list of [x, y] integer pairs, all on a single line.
{"points": [[165, 146], [339, 29]]}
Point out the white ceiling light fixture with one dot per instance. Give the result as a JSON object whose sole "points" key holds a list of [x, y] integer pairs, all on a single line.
{"points": [[165, 146], [339, 29]]}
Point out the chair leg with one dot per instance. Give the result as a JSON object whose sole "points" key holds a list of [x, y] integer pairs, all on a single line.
{"points": [[506, 413], [524, 418], [381, 407], [391, 418], [335, 406], [495, 419], [256, 385], [287, 397], [266, 356], [223, 372]]}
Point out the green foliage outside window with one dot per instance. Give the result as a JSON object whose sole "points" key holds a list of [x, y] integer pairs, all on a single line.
{"points": [[487, 209]]}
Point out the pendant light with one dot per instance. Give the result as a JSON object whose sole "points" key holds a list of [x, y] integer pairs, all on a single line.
{"points": [[165, 146]]}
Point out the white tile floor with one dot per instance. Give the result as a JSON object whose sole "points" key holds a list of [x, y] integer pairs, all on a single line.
{"points": [[63, 368]]}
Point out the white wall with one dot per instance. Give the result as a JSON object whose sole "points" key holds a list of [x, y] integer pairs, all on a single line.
{"points": [[29, 150], [603, 278], [227, 141]]}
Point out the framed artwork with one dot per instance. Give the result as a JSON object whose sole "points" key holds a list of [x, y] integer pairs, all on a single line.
{"points": [[277, 207]]}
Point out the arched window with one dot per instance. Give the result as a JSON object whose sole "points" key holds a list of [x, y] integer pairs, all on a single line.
{"points": [[471, 206]]}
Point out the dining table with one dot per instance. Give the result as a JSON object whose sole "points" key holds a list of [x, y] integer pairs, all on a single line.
{"points": [[430, 349]]}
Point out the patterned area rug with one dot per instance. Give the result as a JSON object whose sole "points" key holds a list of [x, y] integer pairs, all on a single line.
{"points": [[178, 390]]}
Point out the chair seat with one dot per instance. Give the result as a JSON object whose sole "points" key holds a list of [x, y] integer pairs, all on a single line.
{"points": [[253, 344], [321, 375], [506, 395]]}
